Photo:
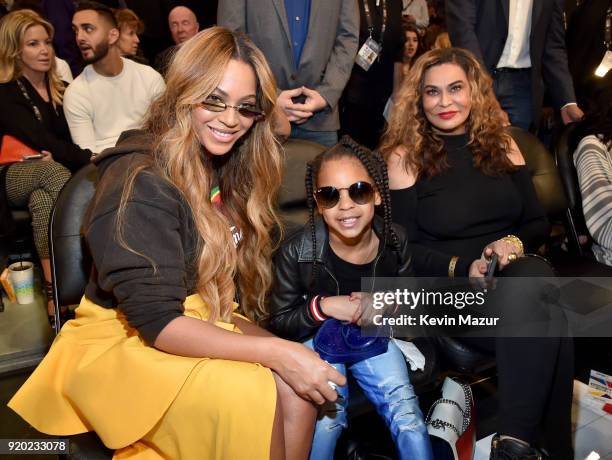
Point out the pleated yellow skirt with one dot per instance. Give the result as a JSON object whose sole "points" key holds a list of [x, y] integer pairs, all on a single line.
{"points": [[99, 375]]}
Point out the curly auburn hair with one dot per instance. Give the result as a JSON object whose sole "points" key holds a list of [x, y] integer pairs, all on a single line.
{"points": [[374, 164], [409, 128]]}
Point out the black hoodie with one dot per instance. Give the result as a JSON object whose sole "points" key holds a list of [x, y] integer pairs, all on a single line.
{"points": [[158, 227]]}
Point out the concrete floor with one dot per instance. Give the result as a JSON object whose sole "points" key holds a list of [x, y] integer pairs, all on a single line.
{"points": [[25, 337]]}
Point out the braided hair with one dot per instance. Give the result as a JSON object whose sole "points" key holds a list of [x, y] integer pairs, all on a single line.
{"points": [[376, 167]]}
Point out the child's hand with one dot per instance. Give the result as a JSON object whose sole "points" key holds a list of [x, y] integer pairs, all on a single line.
{"points": [[342, 308], [366, 312], [364, 299]]}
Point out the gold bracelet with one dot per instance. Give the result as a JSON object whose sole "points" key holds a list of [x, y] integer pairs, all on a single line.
{"points": [[451, 266], [515, 240]]}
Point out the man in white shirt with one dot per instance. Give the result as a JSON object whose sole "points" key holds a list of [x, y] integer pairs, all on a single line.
{"points": [[522, 45], [63, 70], [112, 94]]}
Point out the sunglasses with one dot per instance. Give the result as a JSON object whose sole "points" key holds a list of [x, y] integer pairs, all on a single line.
{"points": [[244, 110], [359, 192]]}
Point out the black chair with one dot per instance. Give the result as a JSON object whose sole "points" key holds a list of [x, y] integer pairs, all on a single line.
{"points": [[70, 267], [576, 224], [292, 197], [543, 170], [70, 261]]}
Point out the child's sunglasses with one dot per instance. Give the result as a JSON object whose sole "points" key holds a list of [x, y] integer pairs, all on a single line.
{"points": [[359, 192]]}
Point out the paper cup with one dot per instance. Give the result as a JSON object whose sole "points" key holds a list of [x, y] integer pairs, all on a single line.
{"points": [[21, 276]]}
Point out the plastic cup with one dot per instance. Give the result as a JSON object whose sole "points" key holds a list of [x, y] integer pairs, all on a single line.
{"points": [[21, 276]]}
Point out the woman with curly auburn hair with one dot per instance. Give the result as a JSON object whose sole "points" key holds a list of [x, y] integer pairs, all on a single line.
{"points": [[159, 361], [461, 189]]}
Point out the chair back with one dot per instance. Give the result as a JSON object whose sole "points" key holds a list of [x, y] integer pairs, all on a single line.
{"points": [[564, 157], [565, 162], [70, 259], [292, 198], [543, 170]]}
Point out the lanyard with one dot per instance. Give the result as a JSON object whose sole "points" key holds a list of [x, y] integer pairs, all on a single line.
{"points": [[368, 16], [37, 113]]}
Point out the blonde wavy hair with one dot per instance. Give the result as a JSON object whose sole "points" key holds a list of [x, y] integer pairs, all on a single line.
{"points": [[13, 27], [409, 128], [249, 176]]}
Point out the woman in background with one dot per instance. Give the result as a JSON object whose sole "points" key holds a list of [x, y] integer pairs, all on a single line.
{"points": [[130, 27], [31, 100], [413, 47]]}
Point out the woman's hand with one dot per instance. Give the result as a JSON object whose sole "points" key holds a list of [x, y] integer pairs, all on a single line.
{"points": [[342, 307], [478, 268], [46, 156], [303, 370], [503, 249], [477, 272]]}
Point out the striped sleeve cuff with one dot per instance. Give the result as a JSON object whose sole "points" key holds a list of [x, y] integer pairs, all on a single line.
{"points": [[315, 308]]}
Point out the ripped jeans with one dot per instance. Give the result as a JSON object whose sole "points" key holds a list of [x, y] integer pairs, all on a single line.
{"points": [[384, 380]]}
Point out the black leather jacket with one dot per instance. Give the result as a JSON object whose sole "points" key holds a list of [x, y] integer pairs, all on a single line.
{"points": [[290, 316]]}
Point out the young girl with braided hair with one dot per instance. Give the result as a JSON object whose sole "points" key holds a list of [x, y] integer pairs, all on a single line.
{"points": [[318, 275]]}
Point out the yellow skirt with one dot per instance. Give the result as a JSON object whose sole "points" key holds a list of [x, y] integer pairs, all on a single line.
{"points": [[100, 375]]}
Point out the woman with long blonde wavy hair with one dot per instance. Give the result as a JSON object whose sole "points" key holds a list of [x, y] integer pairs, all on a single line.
{"points": [[160, 359], [462, 190], [31, 113]]}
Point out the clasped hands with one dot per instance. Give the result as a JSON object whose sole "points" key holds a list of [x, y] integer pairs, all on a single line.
{"points": [[300, 112], [356, 308]]}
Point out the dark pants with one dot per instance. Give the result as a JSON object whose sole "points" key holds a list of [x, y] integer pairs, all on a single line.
{"points": [[364, 124], [326, 138], [513, 91], [535, 380]]}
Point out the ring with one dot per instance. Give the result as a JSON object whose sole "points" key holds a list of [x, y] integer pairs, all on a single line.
{"points": [[512, 257]]}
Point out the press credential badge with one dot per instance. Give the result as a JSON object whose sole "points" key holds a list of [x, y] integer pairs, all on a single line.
{"points": [[368, 53]]}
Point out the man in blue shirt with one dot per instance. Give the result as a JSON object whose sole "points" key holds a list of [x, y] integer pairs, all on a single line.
{"points": [[310, 46]]}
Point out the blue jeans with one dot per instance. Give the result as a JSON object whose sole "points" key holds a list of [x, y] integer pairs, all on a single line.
{"points": [[326, 138], [384, 380], [513, 91]]}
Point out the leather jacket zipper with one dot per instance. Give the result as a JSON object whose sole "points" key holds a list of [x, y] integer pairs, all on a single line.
{"points": [[333, 277]]}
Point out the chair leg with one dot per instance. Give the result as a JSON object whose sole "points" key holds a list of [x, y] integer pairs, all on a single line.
{"points": [[573, 236]]}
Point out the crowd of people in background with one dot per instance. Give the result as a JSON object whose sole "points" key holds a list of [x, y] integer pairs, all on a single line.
{"points": [[432, 85]]}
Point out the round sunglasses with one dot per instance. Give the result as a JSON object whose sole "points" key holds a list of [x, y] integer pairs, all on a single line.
{"points": [[360, 192], [244, 110]]}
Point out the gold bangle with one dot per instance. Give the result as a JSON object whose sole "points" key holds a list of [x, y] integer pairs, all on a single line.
{"points": [[515, 240], [451, 266]]}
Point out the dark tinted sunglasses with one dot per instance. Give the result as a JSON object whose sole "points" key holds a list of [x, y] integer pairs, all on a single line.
{"points": [[359, 192], [245, 110]]}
